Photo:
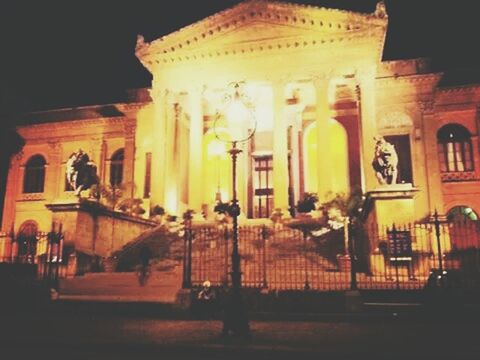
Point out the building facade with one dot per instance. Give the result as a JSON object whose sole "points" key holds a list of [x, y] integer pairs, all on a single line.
{"points": [[319, 92]]}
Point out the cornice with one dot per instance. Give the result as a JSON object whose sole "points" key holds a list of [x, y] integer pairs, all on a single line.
{"points": [[459, 89], [464, 106], [72, 124], [71, 130], [391, 81], [133, 106]]}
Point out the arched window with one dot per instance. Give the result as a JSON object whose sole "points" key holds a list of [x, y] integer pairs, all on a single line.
{"points": [[34, 179], [461, 213], [455, 148], [116, 168]]}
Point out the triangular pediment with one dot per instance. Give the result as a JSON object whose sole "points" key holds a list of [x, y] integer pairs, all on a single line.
{"points": [[255, 21]]}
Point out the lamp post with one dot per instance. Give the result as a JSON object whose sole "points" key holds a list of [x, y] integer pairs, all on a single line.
{"points": [[238, 130]]}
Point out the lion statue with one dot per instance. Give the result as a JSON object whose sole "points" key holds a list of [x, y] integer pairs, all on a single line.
{"points": [[385, 161], [81, 172]]}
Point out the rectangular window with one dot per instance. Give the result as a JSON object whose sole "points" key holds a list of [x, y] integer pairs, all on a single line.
{"points": [[148, 175]]}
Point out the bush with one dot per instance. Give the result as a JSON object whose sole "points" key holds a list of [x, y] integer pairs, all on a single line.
{"points": [[157, 210], [222, 208], [308, 202]]}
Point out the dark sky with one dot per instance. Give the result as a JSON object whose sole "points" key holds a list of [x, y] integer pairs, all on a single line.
{"points": [[66, 53]]}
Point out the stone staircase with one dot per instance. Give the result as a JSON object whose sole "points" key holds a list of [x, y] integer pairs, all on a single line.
{"points": [[166, 247], [161, 287], [120, 283]]}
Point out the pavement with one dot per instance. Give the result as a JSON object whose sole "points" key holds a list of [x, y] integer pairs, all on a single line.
{"points": [[102, 330], [109, 327]]}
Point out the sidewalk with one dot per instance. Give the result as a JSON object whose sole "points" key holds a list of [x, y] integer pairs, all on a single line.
{"points": [[125, 337]]}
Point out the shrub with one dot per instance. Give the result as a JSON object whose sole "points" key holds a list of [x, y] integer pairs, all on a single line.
{"points": [[308, 202]]}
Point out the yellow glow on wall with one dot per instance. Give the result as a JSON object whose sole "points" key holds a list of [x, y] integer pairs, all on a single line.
{"points": [[339, 154], [171, 202], [338, 151], [216, 169]]}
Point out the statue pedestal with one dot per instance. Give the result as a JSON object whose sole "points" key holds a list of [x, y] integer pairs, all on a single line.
{"points": [[387, 205], [391, 204], [92, 230]]}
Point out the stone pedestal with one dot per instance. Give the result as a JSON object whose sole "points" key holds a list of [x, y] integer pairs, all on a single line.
{"points": [[387, 205], [391, 204]]}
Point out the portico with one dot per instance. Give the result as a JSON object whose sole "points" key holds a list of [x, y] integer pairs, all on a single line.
{"points": [[298, 66]]}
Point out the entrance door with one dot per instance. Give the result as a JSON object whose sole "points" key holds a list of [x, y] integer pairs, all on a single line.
{"points": [[262, 186]]}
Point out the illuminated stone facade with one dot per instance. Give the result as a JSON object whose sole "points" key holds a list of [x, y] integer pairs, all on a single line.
{"points": [[320, 92]]}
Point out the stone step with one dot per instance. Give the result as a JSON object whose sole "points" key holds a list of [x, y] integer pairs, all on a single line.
{"points": [[160, 286]]}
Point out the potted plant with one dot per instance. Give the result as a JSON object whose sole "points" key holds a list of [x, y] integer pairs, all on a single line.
{"points": [[223, 211], [158, 213], [307, 203]]}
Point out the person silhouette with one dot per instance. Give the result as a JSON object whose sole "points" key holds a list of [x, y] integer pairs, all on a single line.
{"points": [[145, 256]]}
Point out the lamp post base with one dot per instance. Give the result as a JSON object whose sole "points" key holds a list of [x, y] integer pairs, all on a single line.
{"points": [[235, 320]]}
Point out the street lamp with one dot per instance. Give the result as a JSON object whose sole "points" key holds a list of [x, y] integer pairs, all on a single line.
{"points": [[238, 127]]}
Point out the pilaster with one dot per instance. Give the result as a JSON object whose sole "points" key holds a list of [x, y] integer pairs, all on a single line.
{"points": [[368, 125], [130, 126], [434, 183], [13, 188], [55, 173]]}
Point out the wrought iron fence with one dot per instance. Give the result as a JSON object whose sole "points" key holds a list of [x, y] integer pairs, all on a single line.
{"points": [[373, 257], [44, 250]]}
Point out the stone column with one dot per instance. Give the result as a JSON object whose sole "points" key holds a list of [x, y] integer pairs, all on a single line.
{"points": [[195, 178], [432, 167], [129, 156], [322, 115], [368, 126], [171, 153], [280, 149], [295, 155], [157, 195]]}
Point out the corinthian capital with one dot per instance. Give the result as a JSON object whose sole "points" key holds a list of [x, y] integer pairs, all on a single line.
{"points": [[366, 74], [426, 106], [322, 79]]}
